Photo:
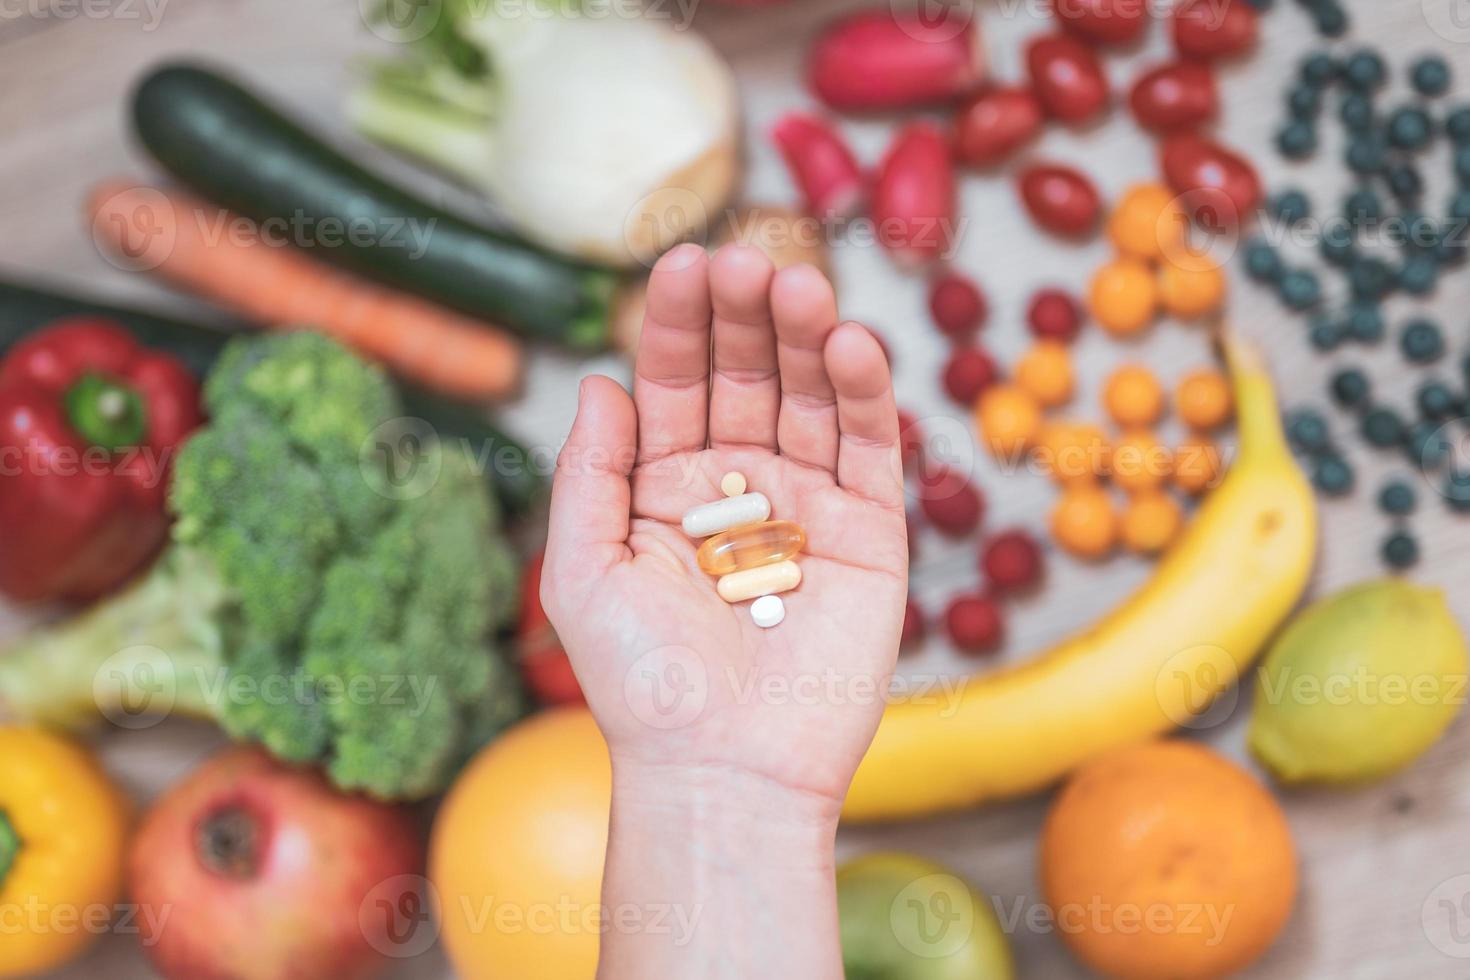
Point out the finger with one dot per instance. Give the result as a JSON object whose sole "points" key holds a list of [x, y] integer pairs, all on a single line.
{"points": [[805, 312], [671, 374], [590, 497], [868, 459], [745, 390]]}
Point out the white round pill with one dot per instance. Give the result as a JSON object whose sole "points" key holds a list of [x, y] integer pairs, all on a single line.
{"points": [[768, 611], [732, 484]]}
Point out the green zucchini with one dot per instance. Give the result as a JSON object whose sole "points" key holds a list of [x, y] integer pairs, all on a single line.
{"points": [[506, 464], [237, 151]]}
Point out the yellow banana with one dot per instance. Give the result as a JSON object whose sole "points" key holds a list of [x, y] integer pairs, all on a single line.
{"points": [[1154, 662]]}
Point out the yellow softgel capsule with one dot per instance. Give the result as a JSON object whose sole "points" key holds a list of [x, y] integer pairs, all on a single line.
{"points": [[751, 546]]}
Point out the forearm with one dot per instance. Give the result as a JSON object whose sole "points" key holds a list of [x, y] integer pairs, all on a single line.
{"points": [[715, 874]]}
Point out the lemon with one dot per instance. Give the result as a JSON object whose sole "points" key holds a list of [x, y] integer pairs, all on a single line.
{"points": [[1359, 685]]}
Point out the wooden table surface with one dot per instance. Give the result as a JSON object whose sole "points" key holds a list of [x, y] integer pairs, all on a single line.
{"points": [[1386, 869]]}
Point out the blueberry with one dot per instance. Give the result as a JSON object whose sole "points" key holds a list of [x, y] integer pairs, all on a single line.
{"points": [[1350, 388], [1319, 69], [1457, 124], [1326, 334], [1297, 140], [1382, 427], [1307, 430], [1403, 229], [1367, 154], [1338, 244], [1332, 475], [1290, 206], [1451, 249], [1362, 207], [1400, 550], [1262, 261], [1304, 101], [1457, 490], [1422, 342], [1365, 69], [1409, 128], [1365, 323], [1426, 445], [1404, 181], [1300, 289], [1372, 278], [1356, 111], [1430, 75], [1331, 19], [1418, 275], [1460, 206], [1436, 401], [1396, 498], [1462, 164]]}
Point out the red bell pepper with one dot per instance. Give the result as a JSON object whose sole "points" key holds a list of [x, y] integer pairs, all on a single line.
{"points": [[89, 425]]}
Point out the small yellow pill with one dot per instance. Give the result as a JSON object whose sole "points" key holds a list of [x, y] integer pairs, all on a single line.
{"points": [[732, 484], [751, 546], [764, 580]]}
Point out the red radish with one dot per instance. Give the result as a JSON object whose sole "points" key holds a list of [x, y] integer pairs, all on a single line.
{"points": [[950, 501], [958, 306], [544, 663], [913, 197], [1067, 77], [1175, 96], [968, 372], [820, 162], [1103, 21], [876, 60], [975, 624], [992, 125], [1209, 29], [910, 438], [1054, 315], [913, 624], [1060, 199], [1221, 187], [1011, 561]]}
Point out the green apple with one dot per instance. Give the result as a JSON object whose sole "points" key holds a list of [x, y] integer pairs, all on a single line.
{"points": [[905, 918]]}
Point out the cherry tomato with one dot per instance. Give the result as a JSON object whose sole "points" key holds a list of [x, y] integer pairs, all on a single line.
{"points": [[1067, 78], [968, 372], [957, 305], [994, 124], [975, 623], [1060, 199], [1103, 21], [1210, 29], [1175, 96], [950, 501], [1054, 315], [1221, 187]]}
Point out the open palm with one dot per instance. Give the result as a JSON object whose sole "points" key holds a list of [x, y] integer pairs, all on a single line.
{"points": [[745, 369]]}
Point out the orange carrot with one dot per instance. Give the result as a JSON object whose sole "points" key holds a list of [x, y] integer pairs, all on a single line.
{"points": [[219, 256]]}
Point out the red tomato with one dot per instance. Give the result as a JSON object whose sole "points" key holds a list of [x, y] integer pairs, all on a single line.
{"points": [[1103, 21], [1067, 78], [1221, 187], [994, 124], [1060, 199], [913, 199], [1209, 29], [544, 664], [1175, 96]]}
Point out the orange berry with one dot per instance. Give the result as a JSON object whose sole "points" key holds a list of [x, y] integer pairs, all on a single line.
{"points": [[1124, 296], [1008, 417], [1084, 522], [1189, 291], [1204, 399], [1133, 397], [1140, 462], [1147, 223], [1151, 521], [1046, 372], [1197, 465], [1070, 451]]}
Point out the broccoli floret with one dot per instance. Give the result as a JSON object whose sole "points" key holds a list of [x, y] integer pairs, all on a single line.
{"points": [[308, 603]]}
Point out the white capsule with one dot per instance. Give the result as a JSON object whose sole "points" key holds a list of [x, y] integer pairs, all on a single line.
{"points": [[707, 519], [768, 611]]}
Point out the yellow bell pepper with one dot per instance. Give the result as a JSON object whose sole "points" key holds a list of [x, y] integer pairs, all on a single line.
{"points": [[63, 834]]}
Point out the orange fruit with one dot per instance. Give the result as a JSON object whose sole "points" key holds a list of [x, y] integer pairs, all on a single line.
{"points": [[1147, 223], [1166, 861], [1151, 522], [523, 832], [1068, 451], [1008, 417], [1046, 372], [1197, 465], [1084, 522], [1192, 290], [1140, 462], [1133, 397], [1204, 400], [1124, 296]]}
